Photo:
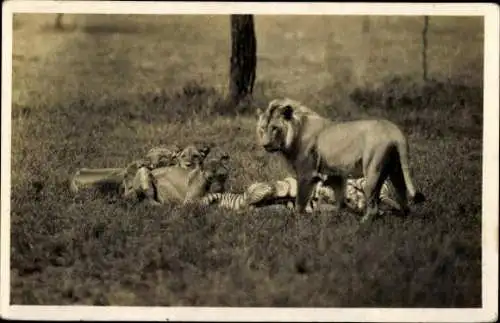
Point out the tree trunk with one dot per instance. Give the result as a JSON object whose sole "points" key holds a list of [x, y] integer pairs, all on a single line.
{"points": [[424, 47], [58, 24], [243, 57], [364, 52]]}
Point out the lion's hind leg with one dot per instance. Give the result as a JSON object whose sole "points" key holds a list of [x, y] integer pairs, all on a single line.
{"points": [[372, 198], [398, 182], [376, 172]]}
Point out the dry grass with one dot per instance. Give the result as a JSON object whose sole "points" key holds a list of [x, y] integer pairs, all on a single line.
{"points": [[105, 90]]}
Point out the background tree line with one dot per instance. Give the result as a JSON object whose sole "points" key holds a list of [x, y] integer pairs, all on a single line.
{"points": [[243, 60]]}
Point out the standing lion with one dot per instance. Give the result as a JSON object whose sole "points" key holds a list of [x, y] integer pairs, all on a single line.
{"points": [[315, 146]]}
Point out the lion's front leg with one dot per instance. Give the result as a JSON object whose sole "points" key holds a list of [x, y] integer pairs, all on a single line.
{"points": [[305, 188], [143, 186]]}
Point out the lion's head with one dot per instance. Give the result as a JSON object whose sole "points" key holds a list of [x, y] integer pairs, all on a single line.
{"points": [[278, 126], [193, 155], [162, 156]]}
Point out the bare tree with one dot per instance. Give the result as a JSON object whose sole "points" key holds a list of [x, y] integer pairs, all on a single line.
{"points": [[363, 53], [243, 57], [58, 23], [365, 25], [424, 47]]}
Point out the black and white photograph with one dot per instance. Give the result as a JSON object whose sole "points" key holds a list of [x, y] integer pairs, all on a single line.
{"points": [[249, 161]]}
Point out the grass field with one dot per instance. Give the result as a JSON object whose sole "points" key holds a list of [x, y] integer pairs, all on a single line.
{"points": [[108, 88]]}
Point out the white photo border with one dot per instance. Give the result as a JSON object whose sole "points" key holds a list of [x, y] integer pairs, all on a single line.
{"points": [[489, 310]]}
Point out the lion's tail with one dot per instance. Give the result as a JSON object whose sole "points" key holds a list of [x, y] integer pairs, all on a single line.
{"points": [[94, 177], [412, 193]]}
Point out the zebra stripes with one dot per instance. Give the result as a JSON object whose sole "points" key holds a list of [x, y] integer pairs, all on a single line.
{"points": [[284, 192], [356, 199], [253, 195], [232, 201]]}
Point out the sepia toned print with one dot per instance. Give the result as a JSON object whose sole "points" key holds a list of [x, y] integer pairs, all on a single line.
{"points": [[93, 94]]}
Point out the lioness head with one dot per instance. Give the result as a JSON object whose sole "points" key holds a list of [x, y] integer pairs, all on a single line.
{"points": [[214, 172], [162, 156], [193, 155], [279, 125]]}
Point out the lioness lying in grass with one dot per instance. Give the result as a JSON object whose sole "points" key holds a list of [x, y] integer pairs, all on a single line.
{"points": [[165, 174]]}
